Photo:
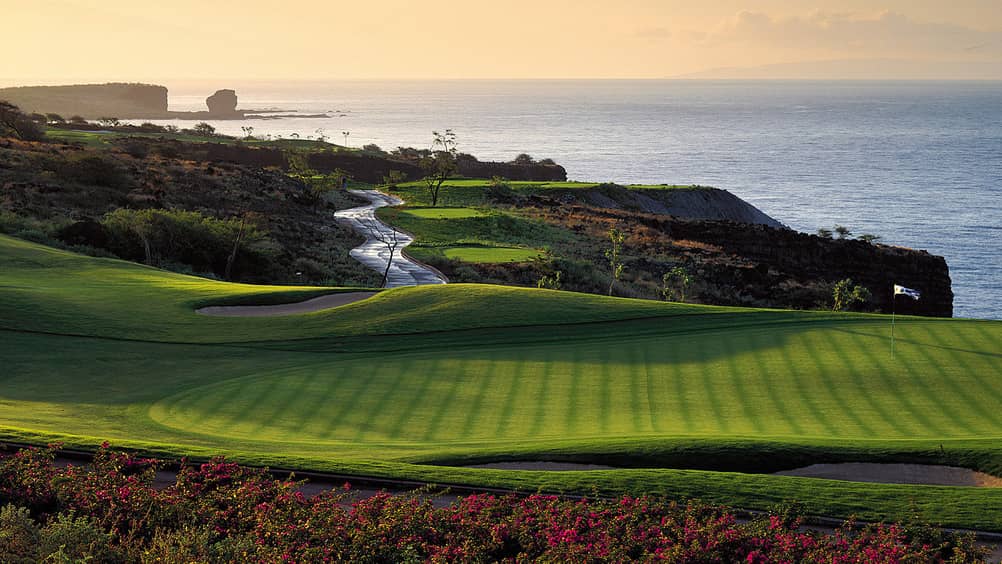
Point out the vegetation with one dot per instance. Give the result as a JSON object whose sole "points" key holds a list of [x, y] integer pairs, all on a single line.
{"points": [[221, 512], [14, 122], [616, 265], [846, 295], [440, 165], [676, 283], [679, 396]]}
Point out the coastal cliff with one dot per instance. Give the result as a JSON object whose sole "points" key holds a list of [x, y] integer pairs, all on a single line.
{"points": [[92, 101]]}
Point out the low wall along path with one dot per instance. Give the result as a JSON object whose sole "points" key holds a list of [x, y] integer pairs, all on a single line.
{"points": [[374, 253]]}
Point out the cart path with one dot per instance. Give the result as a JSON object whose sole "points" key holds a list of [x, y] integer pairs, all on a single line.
{"points": [[374, 253]]}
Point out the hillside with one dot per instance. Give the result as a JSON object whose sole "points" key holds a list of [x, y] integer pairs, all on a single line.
{"points": [[679, 397], [520, 232]]}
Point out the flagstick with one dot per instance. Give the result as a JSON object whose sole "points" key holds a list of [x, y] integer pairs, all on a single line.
{"points": [[893, 301]]}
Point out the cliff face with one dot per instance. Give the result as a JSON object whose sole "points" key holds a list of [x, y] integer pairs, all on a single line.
{"points": [[807, 257], [698, 202], [512, 171], [92, 101]]}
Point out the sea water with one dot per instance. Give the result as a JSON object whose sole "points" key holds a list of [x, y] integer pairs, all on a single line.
{"points": [[917, 163]]}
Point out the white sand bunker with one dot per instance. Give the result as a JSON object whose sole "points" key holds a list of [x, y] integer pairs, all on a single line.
{"points": [[540, 465], [925, 474], [309, 306]]}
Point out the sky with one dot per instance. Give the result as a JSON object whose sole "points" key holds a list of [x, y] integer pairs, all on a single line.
{"points": [[147, 40]]}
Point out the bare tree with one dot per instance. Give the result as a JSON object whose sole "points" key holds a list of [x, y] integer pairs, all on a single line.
{"points": [[388, 237]]}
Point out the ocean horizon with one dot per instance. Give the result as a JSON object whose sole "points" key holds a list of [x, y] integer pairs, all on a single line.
{"points": [[918, 163]]}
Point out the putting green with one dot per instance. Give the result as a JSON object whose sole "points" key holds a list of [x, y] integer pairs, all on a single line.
{"points": [[97, 349]]}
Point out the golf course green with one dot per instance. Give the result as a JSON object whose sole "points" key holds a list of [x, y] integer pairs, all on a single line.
{"points": [[687, 400]]}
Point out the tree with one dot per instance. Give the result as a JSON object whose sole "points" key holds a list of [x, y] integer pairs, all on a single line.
{"points": [[246, 230], [842, 231], [825, 233], [550, 282], [524, 159], [675, 284], [55, 118], [109, 121], [203, 128], [78, 120], [389, 238], [616, 238], [248, 131], [14, 122], [38, 118], [441, 164], [393, 178], [869, 238], [846, 294]]}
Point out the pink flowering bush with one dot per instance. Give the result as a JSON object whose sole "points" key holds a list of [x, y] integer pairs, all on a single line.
{"points": [[222, 512]]}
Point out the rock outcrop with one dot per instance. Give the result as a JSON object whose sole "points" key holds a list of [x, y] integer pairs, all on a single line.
{"points": [[223, 103], [92, 101], [512, 171]]}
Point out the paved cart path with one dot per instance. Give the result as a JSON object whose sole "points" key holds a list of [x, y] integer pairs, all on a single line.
{"points": [[374, 253]]}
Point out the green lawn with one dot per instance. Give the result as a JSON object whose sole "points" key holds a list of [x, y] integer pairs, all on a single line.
{"points": [[681, 395], [475, 253], [472, 234]]}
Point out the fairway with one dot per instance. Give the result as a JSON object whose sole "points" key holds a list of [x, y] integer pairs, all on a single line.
{"points": [[98, 349]]}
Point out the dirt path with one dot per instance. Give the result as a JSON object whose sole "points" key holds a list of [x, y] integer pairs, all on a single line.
{"points": [[308, 306], [374, 253]]}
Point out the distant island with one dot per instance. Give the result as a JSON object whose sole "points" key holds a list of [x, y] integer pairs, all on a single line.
{"points": [[128, 101]]}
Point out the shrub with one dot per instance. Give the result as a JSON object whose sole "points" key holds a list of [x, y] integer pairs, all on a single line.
{"points": [[73, 539], [846, 295], [499, 191], [18, 536], [550, 282], [206, 244], [523, 159], [675, 284], [93, 170]]}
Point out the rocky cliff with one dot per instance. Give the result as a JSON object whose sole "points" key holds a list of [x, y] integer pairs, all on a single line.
{"points": [[92, 101], [783, 257], [512, 171]]}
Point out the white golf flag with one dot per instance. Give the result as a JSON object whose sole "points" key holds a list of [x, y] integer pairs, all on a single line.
{"points": [[906, 291]]}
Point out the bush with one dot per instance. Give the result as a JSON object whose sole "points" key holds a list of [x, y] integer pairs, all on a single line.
{"points": [[74, 539], [18, 536], [846, 295], [206, 244], [93, 170], [221, 512]]}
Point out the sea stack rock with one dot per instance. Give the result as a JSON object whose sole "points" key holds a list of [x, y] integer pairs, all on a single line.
{"points": [[222, 103]]}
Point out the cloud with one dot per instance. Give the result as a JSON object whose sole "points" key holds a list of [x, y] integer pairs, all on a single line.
{"points": [[888, 34]]}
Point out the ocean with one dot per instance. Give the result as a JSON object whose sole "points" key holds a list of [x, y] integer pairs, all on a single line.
{"points": [[917, 163]]}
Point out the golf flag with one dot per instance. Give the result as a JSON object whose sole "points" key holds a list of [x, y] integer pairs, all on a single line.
{"points": [[914, 294]]}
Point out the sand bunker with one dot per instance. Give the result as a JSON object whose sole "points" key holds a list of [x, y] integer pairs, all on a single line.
{"points": [[309, 306], [539, 465], [926, 474]]}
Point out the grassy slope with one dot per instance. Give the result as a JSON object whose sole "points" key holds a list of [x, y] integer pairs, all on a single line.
{"points": [[471, 234], [455, 373]]}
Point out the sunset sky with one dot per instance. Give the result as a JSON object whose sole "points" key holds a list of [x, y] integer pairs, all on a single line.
{"points": [[76, 40]]}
